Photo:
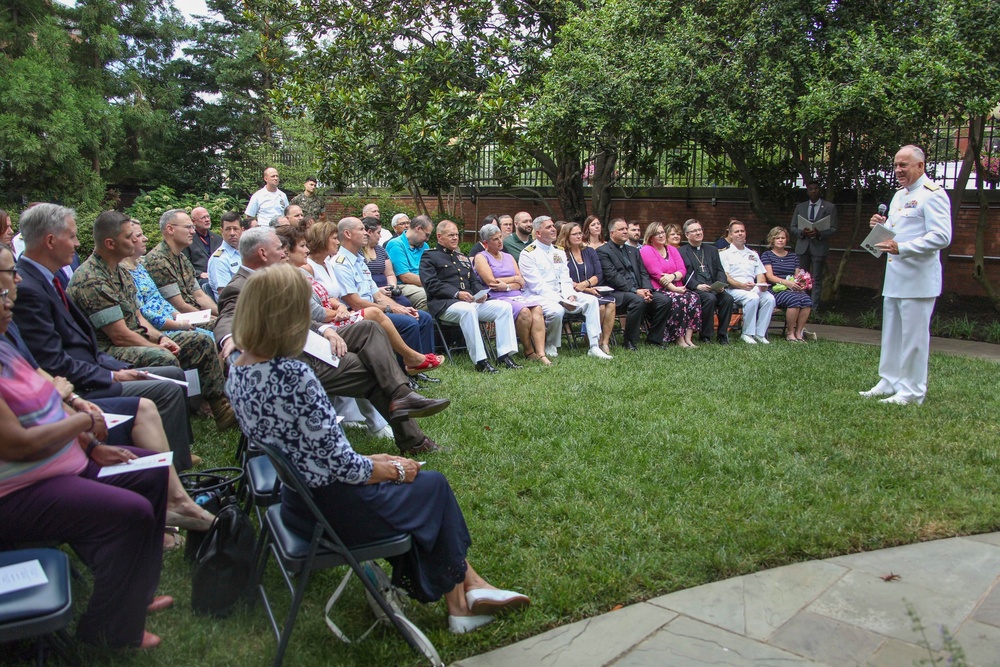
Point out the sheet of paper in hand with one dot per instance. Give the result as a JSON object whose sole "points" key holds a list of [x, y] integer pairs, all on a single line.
{"points": [[878, 234]]}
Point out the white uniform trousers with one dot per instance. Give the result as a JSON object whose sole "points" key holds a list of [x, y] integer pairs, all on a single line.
{"points": [[757, 310], [553, 314], [906, 342], [591, 310], [469, 315]]}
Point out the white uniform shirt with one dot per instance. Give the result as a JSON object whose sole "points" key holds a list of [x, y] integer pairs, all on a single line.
{"points": [[545, 271], [222, 266], [921, 217], [741, 265], [267, 206]]}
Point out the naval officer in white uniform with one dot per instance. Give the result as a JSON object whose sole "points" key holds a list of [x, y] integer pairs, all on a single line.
{"points": [[546, 277], [920, 214]]}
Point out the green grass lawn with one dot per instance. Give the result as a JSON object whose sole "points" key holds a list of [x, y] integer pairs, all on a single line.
{"points": [[592, 484]]}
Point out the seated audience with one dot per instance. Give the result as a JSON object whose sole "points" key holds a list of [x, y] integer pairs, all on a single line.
{"points": [[151, 303], [747, 285], [321, 239], [50, 491], [405, 252], [498, 271], [479, 246], [367, 367], [172, 271], [372, 211], [781, 267], [6, 230], [328, 310], [506, 224], [586, 273], [546, 278], [225, 262], [707, 278], [662, 258], [522, 236], [593, 232], [105, 293], [358, 290], [380, 265], [204, 243], [400, 223], [352, 491], [453, 296], [625, 273]]}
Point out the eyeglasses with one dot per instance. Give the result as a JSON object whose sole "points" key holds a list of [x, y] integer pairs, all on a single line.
{"points": [[12, 271], [3, 296]]}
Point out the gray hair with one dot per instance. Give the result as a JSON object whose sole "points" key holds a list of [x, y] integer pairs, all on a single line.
{"points": [[689, 222], [487, 231], [168, 217], [41, 220], [253, 239], [918, 152], [537, 223]]}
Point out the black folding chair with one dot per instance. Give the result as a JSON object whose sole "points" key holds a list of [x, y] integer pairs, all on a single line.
{"points": [[40, 611], [300, 556]]}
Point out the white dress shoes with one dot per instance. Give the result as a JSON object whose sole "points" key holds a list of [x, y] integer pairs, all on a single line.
{"points": [[748, 339], [599, 353], [459, 625], [762, 340], [899, 400], [491, 601], [551, 351], [384, 432], [881, 389]]}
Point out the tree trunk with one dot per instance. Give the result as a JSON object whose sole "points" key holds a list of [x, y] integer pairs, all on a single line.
{"points": [[842, 267], [982, 224], [834, 148], [418, 199], [604, 178], [756, 201], [565, 174]]}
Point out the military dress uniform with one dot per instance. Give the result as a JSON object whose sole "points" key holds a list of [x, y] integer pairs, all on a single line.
{"points": [[106, 296], [444, 274], [744, 266], [546, 277], [921, 217], [354, 277], [173, 275], [222, 266]]}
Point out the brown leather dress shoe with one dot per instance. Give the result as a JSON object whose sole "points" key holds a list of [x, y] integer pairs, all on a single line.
{"points": [[426, 446], [414, 405]]}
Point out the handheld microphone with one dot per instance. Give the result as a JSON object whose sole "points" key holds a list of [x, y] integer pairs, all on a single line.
{"points": [[882, 208]]}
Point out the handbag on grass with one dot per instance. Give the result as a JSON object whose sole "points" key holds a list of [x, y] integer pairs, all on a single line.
{"points": [[223, 564]]}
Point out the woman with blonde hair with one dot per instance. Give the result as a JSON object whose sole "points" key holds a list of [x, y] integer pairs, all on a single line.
{"points": [[666, 271], [586, 273], [280, 402], [781, 268]]}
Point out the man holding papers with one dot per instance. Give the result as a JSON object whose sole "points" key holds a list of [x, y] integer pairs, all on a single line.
{"points": [[920, 216], [813, 223], [455, 295]]}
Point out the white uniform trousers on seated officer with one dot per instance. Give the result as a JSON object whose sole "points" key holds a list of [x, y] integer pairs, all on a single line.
{"points": [[546, 278], [921, 217], [744, 265], [469, 315]]}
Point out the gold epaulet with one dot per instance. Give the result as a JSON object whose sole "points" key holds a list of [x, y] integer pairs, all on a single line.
{"points": [[528, 248], [933, 187], [340, 259], [557, 247], [218, 253]]}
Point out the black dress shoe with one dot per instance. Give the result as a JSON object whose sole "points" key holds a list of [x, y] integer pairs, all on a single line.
{"points": [[424, 377], [722, 340], [484, 366], [506, 362], [425, 447], [414, 405], [413, 384], [629, 345]]}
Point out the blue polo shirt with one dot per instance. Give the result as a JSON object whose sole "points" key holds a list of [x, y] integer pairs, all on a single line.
{"points": [[405, 258]]}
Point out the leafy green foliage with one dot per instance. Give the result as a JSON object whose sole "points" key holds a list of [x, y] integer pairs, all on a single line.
{"points": [[149, 206]]}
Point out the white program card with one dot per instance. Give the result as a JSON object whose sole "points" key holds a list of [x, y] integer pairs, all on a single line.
{"points": [[142, 463], [19, 576]]}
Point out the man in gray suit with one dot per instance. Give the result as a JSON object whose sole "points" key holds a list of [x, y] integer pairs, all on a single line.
{"points": [[813, 247]]}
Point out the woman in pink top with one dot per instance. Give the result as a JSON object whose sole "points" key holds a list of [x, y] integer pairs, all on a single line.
{"points": [[49, 491], [666, 272]]}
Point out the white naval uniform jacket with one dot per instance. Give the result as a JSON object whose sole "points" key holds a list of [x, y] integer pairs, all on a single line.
{"points": [[921, 217], [545, 271]]}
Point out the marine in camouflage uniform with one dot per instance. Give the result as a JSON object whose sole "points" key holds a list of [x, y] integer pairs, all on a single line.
{"points": [[311, 206], [173, 275], [106, 295]]}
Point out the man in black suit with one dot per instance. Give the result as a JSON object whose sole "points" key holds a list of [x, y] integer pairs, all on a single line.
{"points": [[62, 339], [625, 273], [704, 269], [367, 367], [813, 246]]}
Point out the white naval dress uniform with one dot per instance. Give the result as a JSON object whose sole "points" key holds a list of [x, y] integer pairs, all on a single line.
{"points": [[921, 217], [744, 266], [546, 278]]}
